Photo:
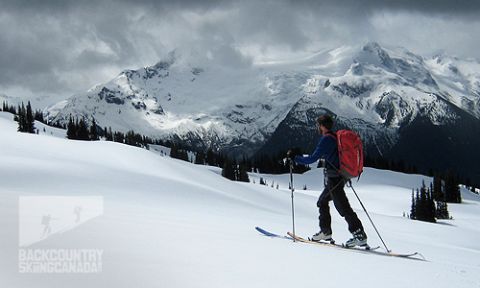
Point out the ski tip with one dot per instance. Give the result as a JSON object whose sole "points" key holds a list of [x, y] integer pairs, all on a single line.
{"points": [[266, 233], [421, 256], [263, 231], [413, 256], [260, 229]]}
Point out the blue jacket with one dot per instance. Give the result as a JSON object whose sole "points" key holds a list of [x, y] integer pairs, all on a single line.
{"points": [[326, 149]]}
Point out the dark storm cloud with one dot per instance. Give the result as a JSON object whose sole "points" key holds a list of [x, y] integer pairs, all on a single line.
{"points": [[60, 6], [63, 47], [422, 6]]}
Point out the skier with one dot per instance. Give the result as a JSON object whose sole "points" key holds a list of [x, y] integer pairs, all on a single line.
{"points": [[327, 151]]}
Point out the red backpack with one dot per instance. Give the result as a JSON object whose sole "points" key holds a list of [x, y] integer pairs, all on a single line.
{"points": [[350, 153]]}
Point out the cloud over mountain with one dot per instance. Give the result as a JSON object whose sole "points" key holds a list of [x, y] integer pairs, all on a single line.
{"points": [[62, 47]]}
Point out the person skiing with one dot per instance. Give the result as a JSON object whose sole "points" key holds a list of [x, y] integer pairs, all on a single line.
{"points": [[327, 151]]}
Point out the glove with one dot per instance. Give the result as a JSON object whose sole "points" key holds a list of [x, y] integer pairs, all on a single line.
{"points": [[291, 154], [321, 163]]}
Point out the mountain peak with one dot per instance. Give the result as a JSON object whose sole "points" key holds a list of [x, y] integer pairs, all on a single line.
{"points": [[168, 61], [373, 53], [371, 46]]}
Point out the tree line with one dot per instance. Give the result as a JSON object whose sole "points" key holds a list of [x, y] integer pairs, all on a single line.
{"points": [[79, 129], [24, 115], [231, 169], [403, 167]]}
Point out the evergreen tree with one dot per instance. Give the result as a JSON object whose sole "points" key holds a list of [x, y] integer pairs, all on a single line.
{"points": [[71, 129], [8, 108], [82, 132], [174, 151], [242, 174], [200, 158], [93, 135], [220, 159], [438, 193], [109, 136], [29, 120], [38, 115], [129, 138], [133, 139], [210, 158], [146, 140], [442, 210], [21, 118], [25, 119], [414, 207], [246, 164], [178, 153], [183, 155], [423, 206], [228, 170], [452, 189], [118, 137]]}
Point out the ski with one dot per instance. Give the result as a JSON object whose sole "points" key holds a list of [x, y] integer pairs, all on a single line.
{"points": [[270, 234], [332, 244], [300, 239], [372, 250]]}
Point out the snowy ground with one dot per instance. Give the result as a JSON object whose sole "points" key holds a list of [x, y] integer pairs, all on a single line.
{"points": [[169, 223]]}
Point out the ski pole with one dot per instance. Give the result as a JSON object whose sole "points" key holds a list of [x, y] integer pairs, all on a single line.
{"points": [[293, 206], [371, 221]]}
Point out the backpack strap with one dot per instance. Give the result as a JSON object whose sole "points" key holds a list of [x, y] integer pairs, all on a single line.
{"points": [[334, 136], [331, 134]]}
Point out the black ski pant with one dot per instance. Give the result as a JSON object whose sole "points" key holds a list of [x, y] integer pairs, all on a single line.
{"points": [[334, 191]]}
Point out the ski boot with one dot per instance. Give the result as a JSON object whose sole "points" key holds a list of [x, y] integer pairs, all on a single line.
{"points": [[359, 239], [322, 236]]}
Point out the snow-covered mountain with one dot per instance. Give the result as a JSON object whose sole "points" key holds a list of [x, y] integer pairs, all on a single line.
{"points": [[214, 105], [380, 92], [170, 223], [458, 79]]}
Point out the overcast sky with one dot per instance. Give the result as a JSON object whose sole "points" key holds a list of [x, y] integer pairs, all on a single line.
{"points": [[61, 47]]}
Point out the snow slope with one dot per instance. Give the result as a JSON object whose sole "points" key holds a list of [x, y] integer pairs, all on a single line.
{"points": [[168, 223]]}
